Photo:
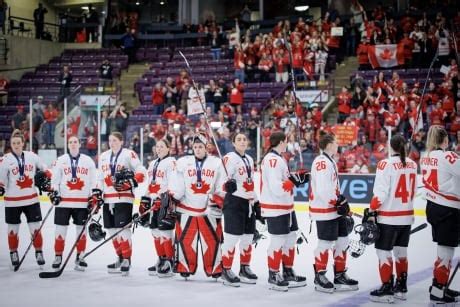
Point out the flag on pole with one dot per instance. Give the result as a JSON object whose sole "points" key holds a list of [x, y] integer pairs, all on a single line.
{"points": [[193, 102], [386, 55]]}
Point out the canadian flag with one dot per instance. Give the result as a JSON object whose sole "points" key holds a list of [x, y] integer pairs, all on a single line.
{"points": [[386, 55]]}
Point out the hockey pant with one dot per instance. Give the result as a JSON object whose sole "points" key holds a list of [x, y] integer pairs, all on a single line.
{"points": [[281, 250], [163, 241], [386, 262], [193, 229], [60, 235], [228, 249], [13, 237], [339, 252]]}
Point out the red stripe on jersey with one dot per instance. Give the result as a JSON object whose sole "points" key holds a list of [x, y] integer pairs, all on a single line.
{"points": [[75, 199], [19, 198], [180, 205], [323, 210], [448, 197], [396, 213], [276, 207], [113, 195]]}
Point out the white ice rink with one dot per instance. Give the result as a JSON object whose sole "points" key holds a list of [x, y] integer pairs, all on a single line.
{"points": [[96, 287]]}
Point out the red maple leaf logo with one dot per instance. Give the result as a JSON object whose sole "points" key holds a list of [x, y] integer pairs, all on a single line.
{"points": [[108, 181], [77, 185], [387, 54], [249, 187], [154, 188], [204, 189], [288, 186], [26, 183]]}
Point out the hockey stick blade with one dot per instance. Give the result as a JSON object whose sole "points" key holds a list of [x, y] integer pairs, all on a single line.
{"points": [[50, 274], [418, 228]]}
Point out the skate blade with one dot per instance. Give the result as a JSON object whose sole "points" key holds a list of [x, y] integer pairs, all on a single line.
{"points": [[165, 275], [297, 284], [79, 268], [153, 273], [278, 288], [401, 296], [389, 299], [324, 290], [113, 271], [248, 281], [125, 274], [231, 284], [436, 304], [344, 288]]}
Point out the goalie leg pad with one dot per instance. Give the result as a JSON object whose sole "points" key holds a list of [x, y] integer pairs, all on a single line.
{"points": [[187, 236], [210, 230]]}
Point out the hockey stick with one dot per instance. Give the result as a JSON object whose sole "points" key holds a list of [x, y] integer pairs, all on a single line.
{"points": [[294, 91], [189, 69], [127, 226], [54, 274], [453, 275], [16, 268]]}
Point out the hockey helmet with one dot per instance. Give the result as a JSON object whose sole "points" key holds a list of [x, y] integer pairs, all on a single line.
{"points": [[368, 232], [42, 181], [350, 222], [95, 231]]}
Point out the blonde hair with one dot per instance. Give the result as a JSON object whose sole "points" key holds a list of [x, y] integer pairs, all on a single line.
{"points": [[436, 136], [17, 134]]}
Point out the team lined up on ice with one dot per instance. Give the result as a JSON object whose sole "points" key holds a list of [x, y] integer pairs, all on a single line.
{"points": [[203, 192]]}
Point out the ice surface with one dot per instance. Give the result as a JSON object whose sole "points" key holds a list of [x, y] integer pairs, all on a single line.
{"points": [[96, 287]]}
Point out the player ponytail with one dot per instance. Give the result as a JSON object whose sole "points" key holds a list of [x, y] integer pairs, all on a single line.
{"points": [[398, 144], [18, 134], [325, 139], [435, 138]]}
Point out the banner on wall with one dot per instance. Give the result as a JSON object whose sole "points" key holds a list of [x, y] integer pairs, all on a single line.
{"points": [[345, 135]]}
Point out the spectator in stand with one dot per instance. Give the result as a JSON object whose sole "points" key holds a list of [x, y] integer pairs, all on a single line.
{"points": [[65, 79], [281, 62], [158, 98], [239, 63], [159, 130], [320, 61], [236, 95], [51, 115], [357, 12], [3, 11], [91, 134], [128, 44], [105, 126], [351, 36], [233, 39], [215, 41], [343, 100], [38, 118], [265, 67], [39, 20], [171, 92], [309, 63], [4, 84], [418, 37], [120, 117], [224, 142], [80, 37], [363, 55], [359, 167], [18, 118], [408, 46], [105, 73], [92, 18], [442, 36]]}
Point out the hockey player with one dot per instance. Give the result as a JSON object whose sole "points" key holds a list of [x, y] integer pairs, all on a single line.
{"points": [[17, 172], [329, 209], [119, 197], [197, 178], [74, 178], [239, 212], [393, 210], [277, 206], [159, 173], [441, 178]]}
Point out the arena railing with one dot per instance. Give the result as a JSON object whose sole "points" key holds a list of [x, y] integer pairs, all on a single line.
{"points": [[26, 27]]}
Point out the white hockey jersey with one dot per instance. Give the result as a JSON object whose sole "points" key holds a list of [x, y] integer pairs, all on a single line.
{"points": [[276, 196], [441, 177], [394, 190], [20, 191], [192, 193], [158, 181], [126, 159], [242, 170], [324, 189], [74, 191]]}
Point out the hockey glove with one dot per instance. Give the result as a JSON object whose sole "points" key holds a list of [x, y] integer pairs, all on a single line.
{"points": [[342, 206], [125, 185], [299, 178], [145, 205], [369, 216], [2, 191], [95, 200], [258, 212], [214, 211], [230, 186], [54, 198]]}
